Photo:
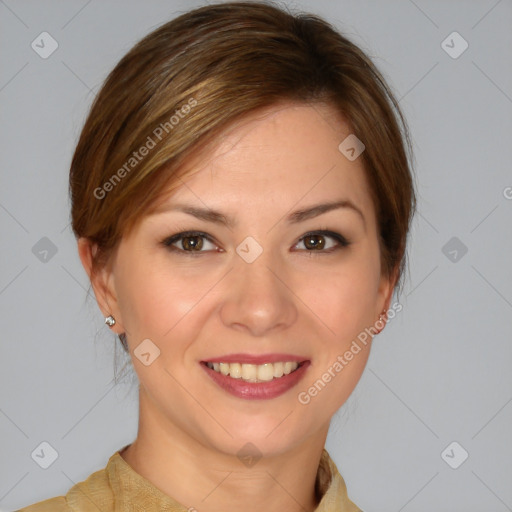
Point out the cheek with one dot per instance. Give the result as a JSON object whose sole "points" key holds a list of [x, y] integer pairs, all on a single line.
{"points": [[148, 300], [157, 302], [343, 298], [343, 301]]}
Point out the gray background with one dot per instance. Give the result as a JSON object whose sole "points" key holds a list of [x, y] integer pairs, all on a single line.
{"points": [[439, 373]]}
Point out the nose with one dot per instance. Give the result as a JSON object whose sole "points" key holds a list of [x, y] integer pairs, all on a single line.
{"points": [[258, 300]]}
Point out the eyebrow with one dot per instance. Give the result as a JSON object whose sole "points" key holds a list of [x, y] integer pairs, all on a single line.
{"points": [[209, 215]]}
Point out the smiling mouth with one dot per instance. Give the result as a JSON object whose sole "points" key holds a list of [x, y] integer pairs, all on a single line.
{"points": [[255, 372]]}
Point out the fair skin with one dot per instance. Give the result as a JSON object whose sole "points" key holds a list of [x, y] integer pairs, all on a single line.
{"points": [[291, 299]]}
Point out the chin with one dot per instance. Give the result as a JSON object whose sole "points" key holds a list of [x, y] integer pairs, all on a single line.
{"points": [[265, 434]]}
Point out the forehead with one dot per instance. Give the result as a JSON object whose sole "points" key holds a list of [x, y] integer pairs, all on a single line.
{"points": [[282, 156]]}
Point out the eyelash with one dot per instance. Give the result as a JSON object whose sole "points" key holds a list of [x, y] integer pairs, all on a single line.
{"points": [[168, 242]]}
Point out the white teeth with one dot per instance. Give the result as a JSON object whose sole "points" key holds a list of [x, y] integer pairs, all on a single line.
{"points": [[235, 370], [265, 372], [278, 369], [288, 367], [249, 372], [255, 372]]}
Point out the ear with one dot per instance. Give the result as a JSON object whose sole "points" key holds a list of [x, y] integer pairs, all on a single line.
{"points": [[102, 283], [385, 293]]}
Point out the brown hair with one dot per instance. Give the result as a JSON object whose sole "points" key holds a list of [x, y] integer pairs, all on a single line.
{"points": [[174, 91]]}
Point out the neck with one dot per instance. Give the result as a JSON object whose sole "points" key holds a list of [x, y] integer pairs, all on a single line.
{"points": [[202, 478]]}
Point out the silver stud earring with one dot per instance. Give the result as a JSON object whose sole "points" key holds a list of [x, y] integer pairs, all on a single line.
{"points": [[110, 320]]}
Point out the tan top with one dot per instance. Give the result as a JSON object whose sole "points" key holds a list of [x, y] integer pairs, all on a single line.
{"points": [[119, 488]]}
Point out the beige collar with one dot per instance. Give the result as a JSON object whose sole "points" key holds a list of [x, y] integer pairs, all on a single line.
{"points": [[118, 487]]}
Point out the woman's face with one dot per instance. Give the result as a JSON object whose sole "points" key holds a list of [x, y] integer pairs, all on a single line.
{"points": [[261, 284]]}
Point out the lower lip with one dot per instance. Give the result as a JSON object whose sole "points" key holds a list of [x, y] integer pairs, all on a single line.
{"points": [[258, 390]]}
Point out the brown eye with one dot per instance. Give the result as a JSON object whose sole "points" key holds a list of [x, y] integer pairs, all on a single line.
{"points": [[194, 243], [190, 243], [314, 242], [323, 241]]}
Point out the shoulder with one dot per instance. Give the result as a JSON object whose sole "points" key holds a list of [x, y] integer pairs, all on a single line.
{"points": [[335, 496], [91, 495], [51, 505]]}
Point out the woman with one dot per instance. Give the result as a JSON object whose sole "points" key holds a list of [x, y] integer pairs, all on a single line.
{"points": [[241, 196]]}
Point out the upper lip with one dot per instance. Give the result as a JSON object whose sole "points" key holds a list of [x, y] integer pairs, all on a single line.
{"points": [[255, 358]]}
